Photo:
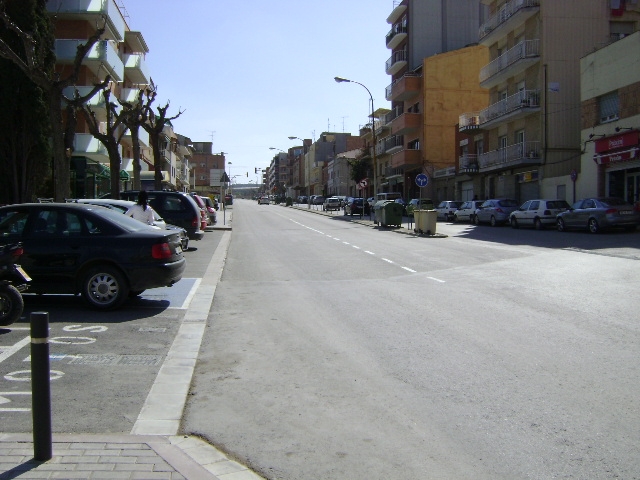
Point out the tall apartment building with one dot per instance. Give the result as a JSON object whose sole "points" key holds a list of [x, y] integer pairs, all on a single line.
{"points": [[420, 29], [206, 169], [532, 123]]}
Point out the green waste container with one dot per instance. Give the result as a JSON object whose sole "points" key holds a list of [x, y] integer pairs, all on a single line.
{"points": [[391, 214], [425, 221]]}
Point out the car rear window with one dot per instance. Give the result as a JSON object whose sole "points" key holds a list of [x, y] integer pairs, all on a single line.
{"points": [[557, 204], [508, 203], [611, 202]]}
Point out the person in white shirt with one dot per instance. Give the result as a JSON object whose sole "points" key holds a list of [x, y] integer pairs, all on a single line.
{"points": [[141, 211]]}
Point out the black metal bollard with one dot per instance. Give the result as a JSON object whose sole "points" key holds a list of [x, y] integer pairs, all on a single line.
{"points": [[40, 386]]}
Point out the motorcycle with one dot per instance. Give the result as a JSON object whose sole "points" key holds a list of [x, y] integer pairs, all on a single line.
{"points": [[13, 281]]}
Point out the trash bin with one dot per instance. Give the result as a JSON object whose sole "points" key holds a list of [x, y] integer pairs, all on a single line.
{"points": [[425, 221], [391, 214], [377, 211]]}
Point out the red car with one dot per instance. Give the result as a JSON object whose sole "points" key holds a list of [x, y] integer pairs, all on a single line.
{"points": [[204, 215]]}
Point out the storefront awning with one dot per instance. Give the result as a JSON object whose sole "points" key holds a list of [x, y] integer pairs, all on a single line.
{"points": [[613, 157]]}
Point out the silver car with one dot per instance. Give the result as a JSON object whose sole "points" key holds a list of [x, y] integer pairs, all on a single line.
{"points": [[595, 214], [467, 211], [537, 213], [495, 211]]}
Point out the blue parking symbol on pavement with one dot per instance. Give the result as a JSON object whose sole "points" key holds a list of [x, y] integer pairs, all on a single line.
{"points": [[422, 180]]}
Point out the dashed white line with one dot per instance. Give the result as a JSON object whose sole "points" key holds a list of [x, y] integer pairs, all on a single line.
{"points": [[409, 269], [436, 279], [387, 260]]}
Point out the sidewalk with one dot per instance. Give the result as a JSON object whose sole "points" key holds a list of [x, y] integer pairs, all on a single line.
{"points": [[154, 450]]}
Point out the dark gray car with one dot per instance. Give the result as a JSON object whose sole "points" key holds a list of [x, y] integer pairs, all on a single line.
{"points": [[595, 214]]}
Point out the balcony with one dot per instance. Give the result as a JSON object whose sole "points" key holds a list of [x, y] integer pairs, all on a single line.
{"points": [[510, 16], [469, 122], [103, 58], [468, 164], [396, 35], [95, 12], [393, 144], [407, 158], [96, 103], [86, 145], [396, 62], [135, 68], [406, 123], [516, 60], [511, 108], [444, 172], [130, 95], [518, 155], [404, 88], [143, 139], [397, 12]]}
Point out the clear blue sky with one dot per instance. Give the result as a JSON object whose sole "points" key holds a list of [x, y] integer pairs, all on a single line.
{"points": [[250, 74]]}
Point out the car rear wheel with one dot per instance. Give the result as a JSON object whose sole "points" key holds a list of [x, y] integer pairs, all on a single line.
{"points": [[11, 305], [104, 288], [514, 222], [593, 225]]}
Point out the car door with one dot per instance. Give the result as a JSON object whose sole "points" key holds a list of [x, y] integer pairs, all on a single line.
{"points": [[53, 245], [531, 212]]}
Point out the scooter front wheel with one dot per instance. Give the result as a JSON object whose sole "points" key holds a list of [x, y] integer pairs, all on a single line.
{"points": [[11, 305]]}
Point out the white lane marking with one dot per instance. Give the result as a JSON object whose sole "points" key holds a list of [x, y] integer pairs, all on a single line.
{"points": [[356, 247], [408, 269], [436, 279], [370, 253], [346, 243], [4, 354], [387, 260], [191, 293]]}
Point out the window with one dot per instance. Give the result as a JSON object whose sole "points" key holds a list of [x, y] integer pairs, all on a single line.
{"points": [[609, 107]]}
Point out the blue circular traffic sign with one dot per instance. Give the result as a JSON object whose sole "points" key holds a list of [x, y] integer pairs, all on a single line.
{"points": [[422, 180]]}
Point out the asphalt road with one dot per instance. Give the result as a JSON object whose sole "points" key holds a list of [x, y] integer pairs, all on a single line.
{"points": [[337, 350]]}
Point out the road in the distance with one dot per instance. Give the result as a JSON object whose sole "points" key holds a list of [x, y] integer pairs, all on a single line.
{"points": [[336, 350]]}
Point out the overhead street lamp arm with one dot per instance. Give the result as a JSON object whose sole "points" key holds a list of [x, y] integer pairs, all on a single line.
{"points": [[373, 131]]}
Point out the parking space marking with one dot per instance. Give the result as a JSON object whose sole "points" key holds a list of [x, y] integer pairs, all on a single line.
{"points": [[5, 400], [436, 279], [13, 349]]}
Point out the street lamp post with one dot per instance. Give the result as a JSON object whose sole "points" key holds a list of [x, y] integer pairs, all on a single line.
{"points": [[373, 132], [307, 172]]}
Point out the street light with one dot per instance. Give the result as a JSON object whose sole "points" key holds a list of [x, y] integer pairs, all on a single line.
{"points": [[373, 132], [274, 148], [307, 172]]}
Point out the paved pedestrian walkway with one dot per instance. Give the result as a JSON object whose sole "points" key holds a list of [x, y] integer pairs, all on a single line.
{"points": [[119, 457]]}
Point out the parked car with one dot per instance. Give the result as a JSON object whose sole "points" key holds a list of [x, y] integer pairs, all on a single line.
{"points": [[446, 209], [495, 211], [75, 248], [228, 199], [176, 208], [537, 213], [204, 215], [317, 200], [331, 203], [211, 209], [353, 206], [467, 211], [303, 199], [596, 214], [264, 200], [419, 204], [123, 206]]}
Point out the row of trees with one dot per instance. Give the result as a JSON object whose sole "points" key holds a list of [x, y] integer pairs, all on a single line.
{"points": [[38, 123]]}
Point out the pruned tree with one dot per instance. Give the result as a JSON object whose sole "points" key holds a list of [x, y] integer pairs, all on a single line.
{"points": [[155, 126], [33, 54], [111, 137], [135, 118]]}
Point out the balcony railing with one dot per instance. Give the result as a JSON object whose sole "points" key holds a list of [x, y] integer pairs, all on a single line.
{"points": [[444, 172], [469, 121], [97, 12], [395, 36], [523, 50], [525, 153], [396, 62], [85, 144], [504, 14], [524, 99], [136, 68], [468, 163], [102, 55]]}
